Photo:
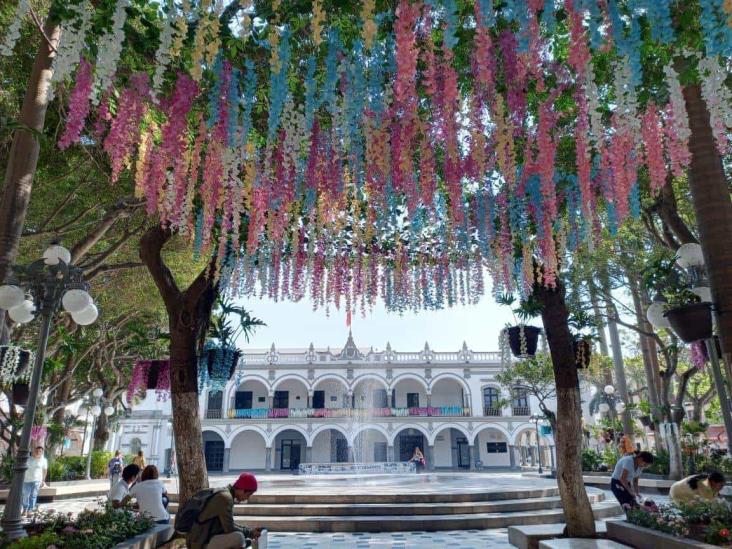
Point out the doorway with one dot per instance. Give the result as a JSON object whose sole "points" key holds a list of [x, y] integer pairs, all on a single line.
{"points": [[289, 454], [463, 453], [407, 444]]}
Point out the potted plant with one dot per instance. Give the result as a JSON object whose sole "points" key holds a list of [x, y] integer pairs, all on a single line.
{"points": [[690, 318], [15, 370], [523, 340], [644, 410]]}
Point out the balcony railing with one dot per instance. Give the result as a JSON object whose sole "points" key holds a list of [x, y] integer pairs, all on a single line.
{"points": [[521, 411], [213, 414], [434, 411], [492, 412]]}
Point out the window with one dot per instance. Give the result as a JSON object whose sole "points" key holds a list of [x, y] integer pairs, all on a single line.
{"points": [[243, 400], [281, 399], [318, 400], [497, 447], [520, 403], [135, 445], [214, 400], [491, 401], [412, 400]]}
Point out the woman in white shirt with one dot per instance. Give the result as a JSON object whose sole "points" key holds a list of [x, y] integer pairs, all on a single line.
{"points": [[34, 479], [149, 493]]}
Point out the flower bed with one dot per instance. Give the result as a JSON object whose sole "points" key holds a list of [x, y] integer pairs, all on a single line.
{"points": [[100, 529], [700, 520]]}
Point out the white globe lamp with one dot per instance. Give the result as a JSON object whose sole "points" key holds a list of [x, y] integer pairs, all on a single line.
{"points": [[10, 296], [620, 407], [96, 411], [609, 389], [74, 301], [23, 313], [109, 410], [54, 253], [97, 392], [86, 316], [604, 407], [689, 256], [654, 314]]}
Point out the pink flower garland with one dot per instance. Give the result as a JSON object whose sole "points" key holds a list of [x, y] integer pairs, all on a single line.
{"points": [[78, 105], [697, 355], [651, 132], [123, 133]]}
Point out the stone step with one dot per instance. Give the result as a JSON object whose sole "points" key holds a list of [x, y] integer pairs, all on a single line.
{"points": [[390, 509], [528, 536], [402, 523], [425, 497]]}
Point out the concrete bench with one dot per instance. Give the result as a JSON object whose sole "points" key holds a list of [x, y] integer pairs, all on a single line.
{"points": [[529, 536], [580, 543], [658, 486]]}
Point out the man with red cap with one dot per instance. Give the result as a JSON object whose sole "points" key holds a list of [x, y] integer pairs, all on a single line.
{"points": [[215, 527]]}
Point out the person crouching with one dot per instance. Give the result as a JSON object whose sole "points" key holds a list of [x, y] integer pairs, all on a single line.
{"points": [[704, 486]]}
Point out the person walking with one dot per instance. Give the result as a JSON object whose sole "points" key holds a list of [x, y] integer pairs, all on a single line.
{"points": [[151, 495], [139, 460], [208, 517], [119, 495], [705, 486], [114, 468], [34, 480], [624, 481]]}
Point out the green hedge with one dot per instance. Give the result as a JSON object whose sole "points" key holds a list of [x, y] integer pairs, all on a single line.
{"points": [[74, 467]]}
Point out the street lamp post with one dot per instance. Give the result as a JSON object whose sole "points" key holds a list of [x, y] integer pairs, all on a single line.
{"points": [[691, 259], [612, 404], [50, 281], [535, 419]]}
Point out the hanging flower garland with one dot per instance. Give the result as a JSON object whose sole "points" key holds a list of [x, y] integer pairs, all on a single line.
{"points": [[13, 32], [149, 374], [16, 364], [216, 366], [71, 45], [110, 48]]}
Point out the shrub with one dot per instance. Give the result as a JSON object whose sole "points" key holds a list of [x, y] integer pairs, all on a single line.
{"points": [[100, 529], [67, 468], [660, 465], [610, 456], [669, 519], [591, 459], [99, 464]]}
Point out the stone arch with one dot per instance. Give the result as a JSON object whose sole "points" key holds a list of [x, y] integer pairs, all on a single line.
{"points": [[378, 428], [216, 430], [494, 426], [327, 377], [297, 377], [232, 388], [448, 426], [450, 375], [282, 428], [401, 428], [322, 428], [493, 447], [364, 377], [520, 430], [415, 377], [248, 449], [244, 428]]}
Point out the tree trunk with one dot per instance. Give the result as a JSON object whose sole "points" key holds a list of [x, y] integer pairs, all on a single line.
{"points": [[577, 509], [653, 387], [189, 313], [713, 211], [101, 433], [23, 159]]}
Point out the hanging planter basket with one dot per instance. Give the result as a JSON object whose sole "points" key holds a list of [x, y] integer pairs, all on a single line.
{"points": [[530, 338], [220, 362], [153, 373], [582, 353], [150, 374], [691, 322], [647, 421], [21, 392]]}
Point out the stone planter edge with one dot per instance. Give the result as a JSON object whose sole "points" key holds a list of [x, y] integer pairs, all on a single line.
{"points": [[154, 537], [646, 538]]}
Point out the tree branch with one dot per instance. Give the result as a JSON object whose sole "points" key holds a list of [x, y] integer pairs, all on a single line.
{"points": [[151, 246]]}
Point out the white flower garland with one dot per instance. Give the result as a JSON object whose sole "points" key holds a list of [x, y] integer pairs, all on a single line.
{"points": [[11, 358], [593, 103], [717, 97], [162, 55], [678, 106], [504, 347], [627, 99], [110, 48], [7, 45], [71, 45]]}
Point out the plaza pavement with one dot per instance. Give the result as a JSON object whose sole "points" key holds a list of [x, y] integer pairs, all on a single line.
{"points": [[464, 539]]}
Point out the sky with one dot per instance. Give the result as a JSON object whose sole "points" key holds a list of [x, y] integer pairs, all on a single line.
{"points": [[297, 325]]}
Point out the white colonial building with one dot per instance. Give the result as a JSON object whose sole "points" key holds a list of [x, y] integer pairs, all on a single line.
{"points": [[286, 407]]}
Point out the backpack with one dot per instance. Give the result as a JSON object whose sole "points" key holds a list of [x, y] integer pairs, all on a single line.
{"points": [[187, 516], [116, 467]]}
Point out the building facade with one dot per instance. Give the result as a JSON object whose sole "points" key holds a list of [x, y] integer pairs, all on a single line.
{"points": [[286, 407]]}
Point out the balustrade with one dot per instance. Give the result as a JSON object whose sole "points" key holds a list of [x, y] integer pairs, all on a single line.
{"points": [[521, 411], [492, 412], [432, 411]]}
